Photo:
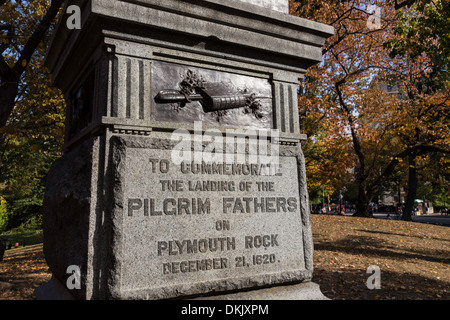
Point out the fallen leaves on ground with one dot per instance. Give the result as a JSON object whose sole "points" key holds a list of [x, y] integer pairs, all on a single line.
{"points": [[414, 258], [21, 271]]}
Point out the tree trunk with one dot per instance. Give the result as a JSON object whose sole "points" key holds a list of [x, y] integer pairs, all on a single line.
{"points": [[412, 188], [362, 206], [8, 93]]}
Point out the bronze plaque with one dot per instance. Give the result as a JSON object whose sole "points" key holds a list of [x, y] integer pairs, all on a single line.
{"points": [[186, 94]]}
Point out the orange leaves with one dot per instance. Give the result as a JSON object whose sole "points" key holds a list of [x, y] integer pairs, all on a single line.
{"points": [[362, 105], [21, 271]]}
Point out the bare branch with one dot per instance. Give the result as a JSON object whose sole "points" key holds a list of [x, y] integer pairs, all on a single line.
{"points": [[37, 36], [418, 149], [4, 68], [355, 138], [9, 36]]}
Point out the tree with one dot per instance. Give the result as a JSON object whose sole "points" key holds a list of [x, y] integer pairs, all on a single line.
{"points": [[31, 137], [329, 162], [347, 86], [433, 172], [25, 30], [423, 30]]}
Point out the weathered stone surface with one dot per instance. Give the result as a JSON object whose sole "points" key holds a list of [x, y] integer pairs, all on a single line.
{"points": [[175, 230], [302, 291], [188, 229], [53, 290], [278, 5], [216, 28], [69, 209], [118, 205]]}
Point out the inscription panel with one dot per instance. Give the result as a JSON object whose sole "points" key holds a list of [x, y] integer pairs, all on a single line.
{"points": [[190, 223]]}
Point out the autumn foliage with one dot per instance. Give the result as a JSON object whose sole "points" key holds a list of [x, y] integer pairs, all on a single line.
{"points": [[31, 111], [375, 109], [375, 101]]}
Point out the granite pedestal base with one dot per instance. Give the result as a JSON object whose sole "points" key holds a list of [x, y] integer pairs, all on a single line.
{"points": [[55, 290]]}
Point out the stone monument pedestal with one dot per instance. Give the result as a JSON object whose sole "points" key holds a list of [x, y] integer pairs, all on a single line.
{"points": [[55, 290], [183, 174]]}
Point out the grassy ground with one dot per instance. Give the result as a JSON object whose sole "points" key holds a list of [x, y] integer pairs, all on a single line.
{"points": [[23, 238], [414, 260]]}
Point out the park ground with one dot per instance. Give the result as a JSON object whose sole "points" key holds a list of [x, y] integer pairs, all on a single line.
{"points": [[414, 258], [414, 261]]}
